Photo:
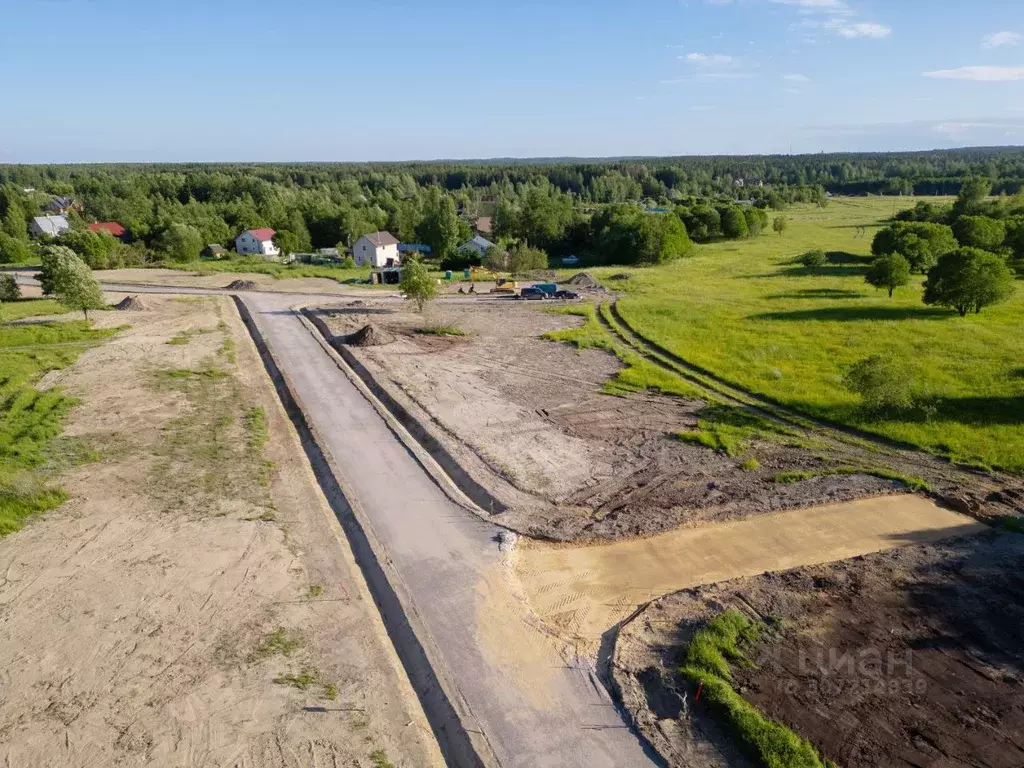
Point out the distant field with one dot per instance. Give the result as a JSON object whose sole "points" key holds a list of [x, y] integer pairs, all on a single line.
{"points": [[742, 311]]}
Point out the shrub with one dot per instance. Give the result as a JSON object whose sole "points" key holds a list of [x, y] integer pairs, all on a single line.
{"points": [[814, 259], [889, 272], [348, 263], [9, 290], [883, 383]]}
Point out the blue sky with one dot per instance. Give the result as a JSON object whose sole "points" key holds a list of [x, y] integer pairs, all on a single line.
{"points": [[223, 80]]}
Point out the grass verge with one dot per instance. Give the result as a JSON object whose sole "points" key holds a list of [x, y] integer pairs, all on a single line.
{"points": [[911, 482], [730, 429], [711, 651], [638, 375], [30, 419], [441, 330]]}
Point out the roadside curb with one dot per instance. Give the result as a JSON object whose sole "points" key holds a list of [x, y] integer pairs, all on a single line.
{"points": [[439, 463], [459, 735]]}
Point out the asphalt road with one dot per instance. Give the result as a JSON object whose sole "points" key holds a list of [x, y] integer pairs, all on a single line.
{"points": [[535, 708]]}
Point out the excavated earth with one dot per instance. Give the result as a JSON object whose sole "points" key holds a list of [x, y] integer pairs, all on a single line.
{"points": [[911, 656]]}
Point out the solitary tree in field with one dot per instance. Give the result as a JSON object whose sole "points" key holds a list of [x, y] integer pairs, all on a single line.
{"points": [[417, 284], [889, 272], [780, 223], [968, 278], [69, 280]]}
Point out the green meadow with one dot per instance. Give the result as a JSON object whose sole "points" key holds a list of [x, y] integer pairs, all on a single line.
{"points": [[744, 311]]}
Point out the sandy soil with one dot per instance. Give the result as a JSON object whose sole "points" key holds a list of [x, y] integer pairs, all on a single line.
{"points": [[177, 277], [527, 419], [905, 657], [580, 592], [192, 604]]}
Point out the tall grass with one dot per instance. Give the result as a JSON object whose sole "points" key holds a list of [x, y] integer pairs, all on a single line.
{"points": [[708, 661], [742, 310]]}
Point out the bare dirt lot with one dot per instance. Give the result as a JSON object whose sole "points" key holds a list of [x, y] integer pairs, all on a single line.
{"points": [[905, 657], [195, 602], [527, 419]]}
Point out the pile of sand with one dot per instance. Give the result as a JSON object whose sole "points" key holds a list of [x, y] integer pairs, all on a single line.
{"points": [[369, 336], [242, 285], [131, 303], [583, 280]]}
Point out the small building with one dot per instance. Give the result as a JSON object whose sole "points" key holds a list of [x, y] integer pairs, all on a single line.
{"points": [[257, 242], [54, 226], [214, 252], [479, 245], [483, 226], [112, 228], [378, 249], [60, 204]]}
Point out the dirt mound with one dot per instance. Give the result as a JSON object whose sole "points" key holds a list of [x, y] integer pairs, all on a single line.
{"points": [[369, 336], [242, 285], [583, 280], [131, 303]]}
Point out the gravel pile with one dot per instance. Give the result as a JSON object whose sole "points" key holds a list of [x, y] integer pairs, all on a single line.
{"points": [[369, 336], [131, 304], [242, 285], [583, 280]]}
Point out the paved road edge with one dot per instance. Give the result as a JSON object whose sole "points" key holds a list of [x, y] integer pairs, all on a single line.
{"points": [[459, 736]]}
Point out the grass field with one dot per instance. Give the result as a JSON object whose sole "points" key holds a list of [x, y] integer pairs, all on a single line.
{"points": [[30, 420], [742, 310]]}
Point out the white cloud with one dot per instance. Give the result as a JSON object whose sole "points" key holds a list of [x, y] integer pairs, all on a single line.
{"points": [[986, 74], [796, 78], [1001, 38], [957, 129], [794, 91], [709, 60], [863, 29]]}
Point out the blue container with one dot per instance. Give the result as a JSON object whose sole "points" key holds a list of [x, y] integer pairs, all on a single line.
{"points": [[448, 275]]}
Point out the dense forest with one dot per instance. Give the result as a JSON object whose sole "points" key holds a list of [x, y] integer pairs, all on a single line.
{"points": [[606, 211]]}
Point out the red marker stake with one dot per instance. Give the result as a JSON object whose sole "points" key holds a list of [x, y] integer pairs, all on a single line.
{"points": [[700, 687]]}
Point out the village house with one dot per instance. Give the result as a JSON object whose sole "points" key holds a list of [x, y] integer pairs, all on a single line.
{"points": [[112, 228], [214, 252], [483, 226], [257, 242], [54, 226], [479, 245], [60, 204], [378, 249]]}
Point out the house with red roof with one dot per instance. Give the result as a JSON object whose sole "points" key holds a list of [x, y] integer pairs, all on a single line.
{"points": [[112, 228], [257, 242]]}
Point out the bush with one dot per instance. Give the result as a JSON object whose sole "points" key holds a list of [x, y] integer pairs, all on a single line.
{"points": [[348, 263], [814, 259], [9, 290], [883, 383], [12, 250]]}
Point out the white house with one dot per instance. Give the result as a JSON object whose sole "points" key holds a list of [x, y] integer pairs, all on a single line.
{"points": [[258, 242], [55, 226], [479, 245], [378, 249]]}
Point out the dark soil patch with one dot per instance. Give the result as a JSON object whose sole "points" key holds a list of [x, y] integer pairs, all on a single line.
{"points": [[242, 285], [909, 657], [369, 335], [583, 280], [131, 303]]}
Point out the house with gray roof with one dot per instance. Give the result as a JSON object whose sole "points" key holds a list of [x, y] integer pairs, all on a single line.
{"points": [[54, 226], [479, 245]]}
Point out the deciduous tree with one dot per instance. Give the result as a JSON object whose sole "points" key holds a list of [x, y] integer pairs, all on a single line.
{"points": [[69, 279], [780, 224], [889, 272], [417, 284], [968, 279]]}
